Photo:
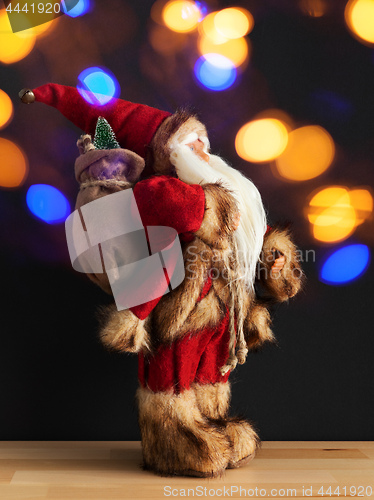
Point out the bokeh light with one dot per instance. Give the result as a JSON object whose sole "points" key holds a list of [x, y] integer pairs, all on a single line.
{"points": [[13, 164], [47, 203], [208, 29], [181, 16], [233, 22], [313, 8], [81, 8], [359, 16], [331, 214], [236, 50], [6, 109], [13, 46], [345, 264], [45, 29], [261, 140], [215, 72], [310, 151], [362, 201], [98, 86]]}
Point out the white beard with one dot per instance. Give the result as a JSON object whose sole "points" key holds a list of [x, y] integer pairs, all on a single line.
{"points": [[252, 227]]}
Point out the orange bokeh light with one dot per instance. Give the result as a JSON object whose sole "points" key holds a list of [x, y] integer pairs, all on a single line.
{"points": [[359, 16], [233, 22], [13, 164], [362, 202], [313, 8], [261, 140], [181, 16], [310, 151], [331, 214], [6, 109], [14, 46], [237, 50], [208, 30]]}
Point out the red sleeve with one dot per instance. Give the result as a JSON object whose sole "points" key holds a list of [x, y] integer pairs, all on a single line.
{"points": [[166, 201]]}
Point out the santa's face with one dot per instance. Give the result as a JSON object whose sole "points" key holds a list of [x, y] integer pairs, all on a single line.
{"points": [[198, 147]]}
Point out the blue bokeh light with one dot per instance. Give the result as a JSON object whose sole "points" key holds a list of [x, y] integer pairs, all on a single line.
{"points": [[98, 86], [203, 9], [81, 7], [345, 264], [215, 72], [47, 203]]}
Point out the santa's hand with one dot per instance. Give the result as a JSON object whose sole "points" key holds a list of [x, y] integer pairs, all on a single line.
{"points": [[278, 264]]}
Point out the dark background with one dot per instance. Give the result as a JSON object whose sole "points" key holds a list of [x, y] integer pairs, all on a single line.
{"points": [[56, 381]]}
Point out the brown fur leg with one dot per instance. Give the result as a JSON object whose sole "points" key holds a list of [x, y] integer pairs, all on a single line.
{"points": [[244, 439], [177, 439], [213, 401]]}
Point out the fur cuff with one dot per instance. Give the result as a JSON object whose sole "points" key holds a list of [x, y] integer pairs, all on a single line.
{"points": [[219, 218], [286, 283], [123, 331], [171, 132], [257, 329]]}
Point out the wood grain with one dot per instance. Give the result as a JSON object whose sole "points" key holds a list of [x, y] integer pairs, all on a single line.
{"points": [[111, 470]]}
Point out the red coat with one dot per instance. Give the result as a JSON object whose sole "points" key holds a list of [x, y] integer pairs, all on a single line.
{"points": [[198, 356], [193, 358]]}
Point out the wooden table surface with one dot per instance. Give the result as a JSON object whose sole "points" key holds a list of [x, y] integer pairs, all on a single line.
{"points": [[111, 470]]}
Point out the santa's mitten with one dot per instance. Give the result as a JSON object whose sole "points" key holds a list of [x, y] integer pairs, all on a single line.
{"points": [[123, 331], [257, 328], [286, 283]]}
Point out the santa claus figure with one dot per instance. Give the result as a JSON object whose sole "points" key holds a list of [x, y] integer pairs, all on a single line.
{"points": [[190, 339]]}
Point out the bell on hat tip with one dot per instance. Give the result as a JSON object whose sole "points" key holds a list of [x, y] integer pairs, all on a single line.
{"points": [[27, 96]]}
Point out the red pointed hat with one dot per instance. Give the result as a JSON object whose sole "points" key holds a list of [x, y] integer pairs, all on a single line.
{"points": [[134, 124]]}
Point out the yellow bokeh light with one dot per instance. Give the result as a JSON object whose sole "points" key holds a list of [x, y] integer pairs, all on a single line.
{"points": [[362, 202], [13, 46], [359, 16], [45, 29], [6, 109], [236, 50], [332, 215], [181, 16], [313, 8], [233, 22], [208, 29], [13, 164], [310, 151], [261, 140]]}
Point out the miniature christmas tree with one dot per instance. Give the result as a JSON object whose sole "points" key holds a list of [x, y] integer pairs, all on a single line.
{"points": [[104, 136]]}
